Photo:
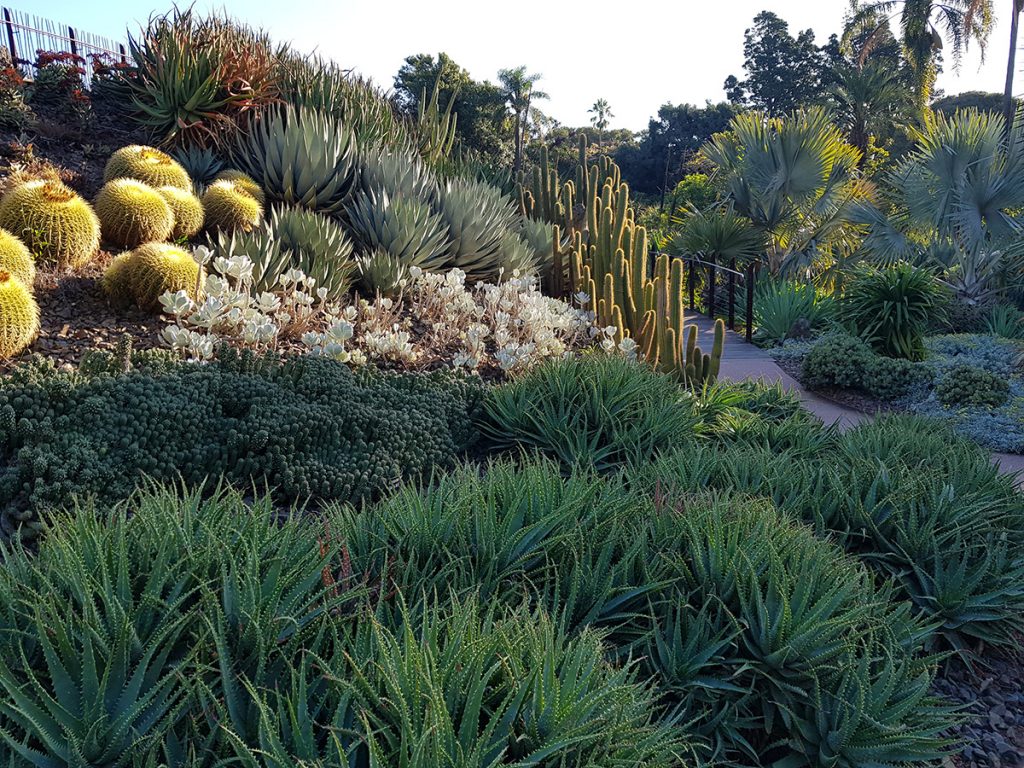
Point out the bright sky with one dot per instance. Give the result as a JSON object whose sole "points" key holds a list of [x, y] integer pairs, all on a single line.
{"points": [[653, 50]]}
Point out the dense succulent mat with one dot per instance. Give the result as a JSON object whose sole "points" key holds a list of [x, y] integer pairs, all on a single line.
{"points": [[304, 428]]}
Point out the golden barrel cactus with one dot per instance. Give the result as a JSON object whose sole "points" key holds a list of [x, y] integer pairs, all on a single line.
{"points": [[148, 165], [155, 268], [57, 225], [132, 213], [245, 181], [116, 281], [19, 316], [187, 210], [16, 259], [230, 207]]}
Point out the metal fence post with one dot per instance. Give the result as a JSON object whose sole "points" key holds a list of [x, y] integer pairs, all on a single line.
{"points": [[74, 43], [751, 272], [732, 295], [10, 37]]}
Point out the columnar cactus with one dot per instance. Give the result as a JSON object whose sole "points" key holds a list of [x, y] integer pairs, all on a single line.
{"points": [[610, 262]]}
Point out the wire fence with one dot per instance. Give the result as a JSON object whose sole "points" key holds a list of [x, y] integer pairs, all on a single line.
{"points": [[24, 34]]}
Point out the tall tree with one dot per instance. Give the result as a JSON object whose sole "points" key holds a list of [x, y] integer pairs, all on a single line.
{"points": [[783, 72], [869, 101], [482, 122], [601, 112], [519, 91], [670, 142], [924, 24]]}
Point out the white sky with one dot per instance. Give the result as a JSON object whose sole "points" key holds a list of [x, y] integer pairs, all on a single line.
{"points": [[637, 54]]}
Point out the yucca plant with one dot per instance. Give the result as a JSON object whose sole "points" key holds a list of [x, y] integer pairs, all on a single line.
{"points": [[300, 157], [890, 308], [781, 306], [1006, 321]]}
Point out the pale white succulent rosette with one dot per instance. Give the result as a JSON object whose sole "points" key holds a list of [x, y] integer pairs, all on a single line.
{"points": [[509, 324]]}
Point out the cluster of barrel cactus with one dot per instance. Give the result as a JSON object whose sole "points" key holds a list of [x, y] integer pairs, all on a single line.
{"points": [[19, 312], [141, 276], [350, 436]]}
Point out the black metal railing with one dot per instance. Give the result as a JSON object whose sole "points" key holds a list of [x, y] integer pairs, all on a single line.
{"points": [[705, 278]]}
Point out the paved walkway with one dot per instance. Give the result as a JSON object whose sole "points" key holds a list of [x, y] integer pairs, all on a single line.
{"points": [[742, 361]]}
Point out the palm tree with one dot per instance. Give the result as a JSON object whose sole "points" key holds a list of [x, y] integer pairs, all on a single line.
{"points": [[924, 24], [868, 101], [601, 111], [1008, 105], [959, 198], [519, 92], [796, 179]]}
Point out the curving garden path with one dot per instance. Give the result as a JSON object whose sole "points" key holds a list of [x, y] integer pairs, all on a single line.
{"points": [[743, 361]]}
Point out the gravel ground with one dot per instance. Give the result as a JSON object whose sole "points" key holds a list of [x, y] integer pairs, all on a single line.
{"points": [[992, 695]]}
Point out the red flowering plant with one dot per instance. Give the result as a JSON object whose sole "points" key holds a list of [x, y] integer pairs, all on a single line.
{"points": [[60, 81], [13, 112]]}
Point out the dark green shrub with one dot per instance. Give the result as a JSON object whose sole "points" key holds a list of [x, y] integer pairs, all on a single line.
{"points": [[891, 307], [304, 428], [888, 378], [837, 360], [967, 385], [599, 411]]}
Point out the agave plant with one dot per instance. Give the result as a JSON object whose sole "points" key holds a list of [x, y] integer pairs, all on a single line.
{"points": [[957, 205], [795, 178], [396, 174], [396, 233], [197, 80], [300, 157], [310, 82], [293, 238], [480, 219], [201, 163]]}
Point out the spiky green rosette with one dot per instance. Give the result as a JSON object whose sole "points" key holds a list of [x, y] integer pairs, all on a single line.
{"points": [[187, 210], [16, 259], [19, 316], [230, 207], [132, 213], [245, 181], [148, 165], [56, 225], [155, 268]]}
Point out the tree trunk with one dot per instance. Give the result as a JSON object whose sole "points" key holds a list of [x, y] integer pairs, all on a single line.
{"points": [[1008, 110]]}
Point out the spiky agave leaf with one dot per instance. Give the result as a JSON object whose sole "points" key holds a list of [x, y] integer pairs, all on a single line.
{"points": [[300, 157], [318, 246], [397, 174], [480, 219], [405, 229], [201, 163]]}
